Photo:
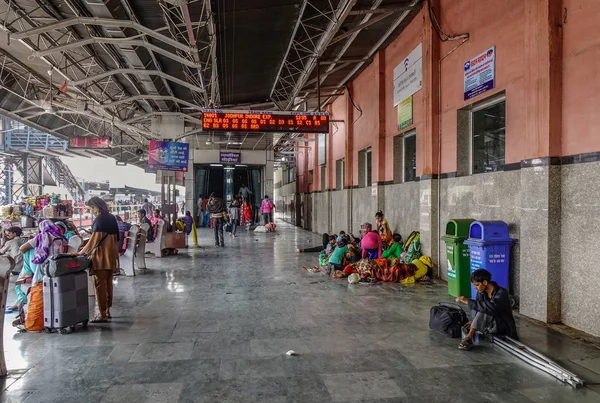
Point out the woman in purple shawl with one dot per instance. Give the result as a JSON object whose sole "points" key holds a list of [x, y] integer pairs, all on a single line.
{"points": [[49, 242]]}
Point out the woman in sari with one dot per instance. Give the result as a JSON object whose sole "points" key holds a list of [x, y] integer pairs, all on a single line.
{"points": [[49, 242], [246, 213], [383, 228]]}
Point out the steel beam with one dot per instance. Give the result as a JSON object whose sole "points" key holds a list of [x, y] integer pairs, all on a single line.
{"points": [[105, 22], [140, 72], [114, 41], [381, 10], [150, 96], [377, 45], [289, 46], [151, 114], [360, 27]]}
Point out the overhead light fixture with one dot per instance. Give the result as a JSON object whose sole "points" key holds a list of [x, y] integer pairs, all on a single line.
{"points": [[121, 163], [241, 165], [216, 165], [229, 168], [208, 142]]}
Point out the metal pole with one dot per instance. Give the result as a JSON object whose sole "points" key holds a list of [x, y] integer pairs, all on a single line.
{"points": [[25, 175], [41, 173], [318, 86]]}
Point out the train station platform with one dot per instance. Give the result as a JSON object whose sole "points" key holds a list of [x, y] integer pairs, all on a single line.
{"points": [[214, 325]]}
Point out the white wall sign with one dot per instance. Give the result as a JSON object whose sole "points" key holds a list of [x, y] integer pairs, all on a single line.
{"points": [[322, 150], [408, 75]]}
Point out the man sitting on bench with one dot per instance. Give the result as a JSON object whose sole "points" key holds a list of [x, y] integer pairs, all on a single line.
{"points": [[491, 308]]}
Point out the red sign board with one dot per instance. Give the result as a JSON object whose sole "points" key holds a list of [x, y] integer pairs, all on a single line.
{"points": [[264, 121], [89, 142]]}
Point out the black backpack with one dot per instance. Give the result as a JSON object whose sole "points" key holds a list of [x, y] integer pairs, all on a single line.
{"points": [[447, 319]]}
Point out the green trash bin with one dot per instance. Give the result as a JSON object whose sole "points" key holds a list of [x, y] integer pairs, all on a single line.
{"points": [[459, 260]]}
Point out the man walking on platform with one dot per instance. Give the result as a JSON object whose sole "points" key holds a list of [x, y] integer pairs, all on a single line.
{"points": [[218, 213]]}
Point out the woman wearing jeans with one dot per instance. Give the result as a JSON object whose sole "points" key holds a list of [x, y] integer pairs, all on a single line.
{"points": [[104, 250], [234, 217]]}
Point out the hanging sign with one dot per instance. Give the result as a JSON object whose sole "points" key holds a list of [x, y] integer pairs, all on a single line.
{"points": [[479, 73], [408, 75], [168, 156], [405, 113]]}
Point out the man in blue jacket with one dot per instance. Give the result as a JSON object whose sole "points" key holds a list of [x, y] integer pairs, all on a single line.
{"points": [[493, 314]]}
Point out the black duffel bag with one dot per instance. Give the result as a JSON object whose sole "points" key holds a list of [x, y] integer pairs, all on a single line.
{"points": [[63, 264], [447, 319]]}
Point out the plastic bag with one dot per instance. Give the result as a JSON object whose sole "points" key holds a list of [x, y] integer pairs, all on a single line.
{"points": [[354, 278], [261, 228]]}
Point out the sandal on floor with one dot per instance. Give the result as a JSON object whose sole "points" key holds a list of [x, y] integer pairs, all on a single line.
{"points": [[466, 344], [99, 319], [11, 310]]}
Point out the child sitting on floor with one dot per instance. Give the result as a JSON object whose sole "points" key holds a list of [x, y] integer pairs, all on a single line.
{"points": [[395, 249], [491, 307], [335, 260]]}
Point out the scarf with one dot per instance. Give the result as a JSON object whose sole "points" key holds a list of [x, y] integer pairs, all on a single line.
{"points": [[106, 223], [49, 233]]}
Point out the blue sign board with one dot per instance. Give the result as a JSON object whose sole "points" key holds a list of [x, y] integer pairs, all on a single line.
{"points": [[168, 156], [479, 73]]}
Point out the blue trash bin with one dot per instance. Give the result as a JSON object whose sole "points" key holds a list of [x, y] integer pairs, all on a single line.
{"points": [[490, 244]]}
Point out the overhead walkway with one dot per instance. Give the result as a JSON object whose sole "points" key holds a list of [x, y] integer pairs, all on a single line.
{"points": [[213, 325]]}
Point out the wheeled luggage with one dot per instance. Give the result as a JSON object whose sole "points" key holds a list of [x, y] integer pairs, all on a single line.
{"points": [[66, 302], [63, 264]]}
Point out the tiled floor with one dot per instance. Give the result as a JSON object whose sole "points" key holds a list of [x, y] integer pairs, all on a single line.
{"points": [[214, 325]]}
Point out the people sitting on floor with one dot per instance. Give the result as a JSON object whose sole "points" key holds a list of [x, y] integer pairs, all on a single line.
{"points": [[336, 259], [327, 247], [491, 308], [371, 244], [143, 219], [395, 249], [383, 228]]}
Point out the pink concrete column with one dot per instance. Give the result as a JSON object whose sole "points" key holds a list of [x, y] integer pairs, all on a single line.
{"points": [[540, 232], [427, 139]]}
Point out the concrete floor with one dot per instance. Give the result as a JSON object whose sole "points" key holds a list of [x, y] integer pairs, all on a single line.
{"points": [[214, 326]]}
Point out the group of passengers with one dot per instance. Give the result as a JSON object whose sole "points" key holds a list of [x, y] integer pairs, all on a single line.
{"points": [[31, 256], [377, 255], [381, 255]]}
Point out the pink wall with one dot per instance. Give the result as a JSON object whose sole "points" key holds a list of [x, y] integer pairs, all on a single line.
{"points": [[394, 55], [581, 83], [365, 93], [488, 23], [338, 136]]}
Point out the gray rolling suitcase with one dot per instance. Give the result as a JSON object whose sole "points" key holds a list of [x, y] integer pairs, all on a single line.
{"points": [[66, 302]]}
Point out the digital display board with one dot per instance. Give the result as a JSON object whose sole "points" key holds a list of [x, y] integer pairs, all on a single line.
{"points": [[89, 142], [264, 121]]}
